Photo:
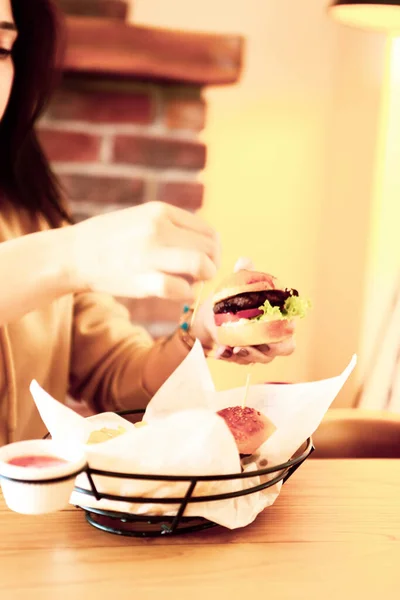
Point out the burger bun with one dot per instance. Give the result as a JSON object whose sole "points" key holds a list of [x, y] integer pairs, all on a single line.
{"points": [[249, 427], [250, 332]]}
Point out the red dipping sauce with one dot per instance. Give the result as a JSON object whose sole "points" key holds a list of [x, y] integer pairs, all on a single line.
{"points": [[37, 462]]}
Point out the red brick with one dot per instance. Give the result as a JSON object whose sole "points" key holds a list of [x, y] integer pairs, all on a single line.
{"points": [[185, 113], [184, 194], [103, 190], [97, 106], [159, 152], [69, 146], [153, 309], [112, 9]]}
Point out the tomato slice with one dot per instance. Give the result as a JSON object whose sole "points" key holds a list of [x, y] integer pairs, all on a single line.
{"points": [[232, 318]]}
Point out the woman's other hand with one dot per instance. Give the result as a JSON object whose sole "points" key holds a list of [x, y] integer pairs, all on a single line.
{"points": [[150, 250]]}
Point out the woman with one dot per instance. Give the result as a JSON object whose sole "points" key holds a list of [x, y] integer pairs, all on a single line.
{"points": [[59, 323]]}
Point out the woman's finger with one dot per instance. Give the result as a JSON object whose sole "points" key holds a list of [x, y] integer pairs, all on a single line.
{"points": [[191, 264], [250, 355], [263, 354], [284, 348], [242, 356], [186, 220], [191, 240]]}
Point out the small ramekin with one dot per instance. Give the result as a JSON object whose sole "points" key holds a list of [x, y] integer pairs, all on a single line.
{"points": [[39, 490]]}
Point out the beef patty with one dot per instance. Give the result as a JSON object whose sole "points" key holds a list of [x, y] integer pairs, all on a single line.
{"points": [[249, 300]]}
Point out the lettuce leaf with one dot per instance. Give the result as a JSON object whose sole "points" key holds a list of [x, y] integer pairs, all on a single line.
{"points": [[295, 306], [269, 311]]}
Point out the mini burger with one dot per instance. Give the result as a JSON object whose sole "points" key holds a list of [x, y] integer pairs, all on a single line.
{"points": [[251, 309], [249, 427]]}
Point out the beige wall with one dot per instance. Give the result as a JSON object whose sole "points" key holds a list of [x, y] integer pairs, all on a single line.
{"points": [[291, 172], [347, 205], [381, 326]]}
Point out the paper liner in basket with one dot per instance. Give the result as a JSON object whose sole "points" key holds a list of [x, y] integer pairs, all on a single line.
{"points": [[184, 436]]}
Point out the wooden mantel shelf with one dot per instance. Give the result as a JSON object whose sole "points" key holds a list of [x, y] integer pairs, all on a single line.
{"points": [[105, 47]]}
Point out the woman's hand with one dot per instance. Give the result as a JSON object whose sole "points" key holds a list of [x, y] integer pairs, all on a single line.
{"points": [[205, 329], [150, 250]]}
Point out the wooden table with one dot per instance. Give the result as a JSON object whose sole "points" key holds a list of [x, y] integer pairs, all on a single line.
{"points": [[334, 533]]}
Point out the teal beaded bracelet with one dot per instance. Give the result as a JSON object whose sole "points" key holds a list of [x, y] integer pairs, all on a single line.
{"points": [[185, 321], [184, 329]]}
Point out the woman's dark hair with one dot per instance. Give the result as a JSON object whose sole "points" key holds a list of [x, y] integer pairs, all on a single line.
{"points": [[25, 174]]}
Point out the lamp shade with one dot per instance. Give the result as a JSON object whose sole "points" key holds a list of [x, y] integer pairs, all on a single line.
{"points": [[375, 15]]}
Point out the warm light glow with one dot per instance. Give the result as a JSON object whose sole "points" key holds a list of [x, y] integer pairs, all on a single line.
{"points": [[384, 250], [386, 216], [377, 17]]}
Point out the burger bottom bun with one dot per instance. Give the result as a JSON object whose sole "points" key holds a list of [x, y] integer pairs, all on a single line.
{"points": [[254, 333]]}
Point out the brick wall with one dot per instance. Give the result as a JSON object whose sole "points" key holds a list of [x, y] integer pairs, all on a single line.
{"points": [[117, 144], [110, 9]]}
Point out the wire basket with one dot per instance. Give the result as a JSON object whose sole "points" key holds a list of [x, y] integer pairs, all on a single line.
{"points": [[133, 525]]}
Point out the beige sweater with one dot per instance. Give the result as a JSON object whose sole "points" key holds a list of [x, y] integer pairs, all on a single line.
{"points": [[84, 345]]}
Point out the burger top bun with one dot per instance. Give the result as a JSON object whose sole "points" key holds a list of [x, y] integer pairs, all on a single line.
{"points": [[245, 281], [254, 333], [249, 427]]}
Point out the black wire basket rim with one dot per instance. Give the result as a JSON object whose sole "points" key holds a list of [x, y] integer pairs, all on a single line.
{"points": [[292, 462], [178, 500]]}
